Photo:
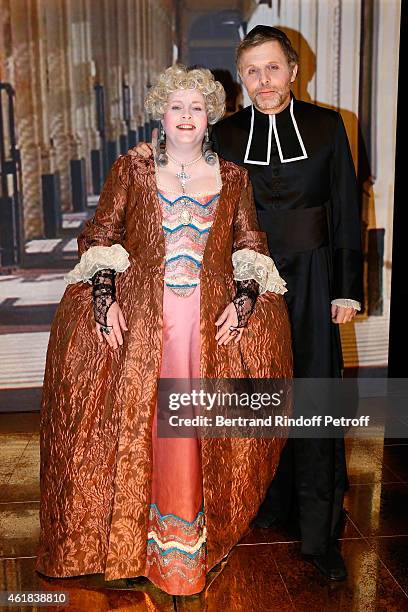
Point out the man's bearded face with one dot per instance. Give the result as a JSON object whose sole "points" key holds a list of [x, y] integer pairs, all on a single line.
{"points": [[267, 76]]}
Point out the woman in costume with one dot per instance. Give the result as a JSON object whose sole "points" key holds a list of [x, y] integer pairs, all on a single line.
{"points": [[174, 281]]}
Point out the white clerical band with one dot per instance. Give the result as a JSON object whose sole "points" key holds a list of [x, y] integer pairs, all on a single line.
{"points": [[272, 126], [347, 303], [250, 265], [98, 258]]}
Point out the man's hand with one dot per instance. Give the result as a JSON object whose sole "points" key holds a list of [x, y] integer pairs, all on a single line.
{"points": [[145, 148], [340, 314]]}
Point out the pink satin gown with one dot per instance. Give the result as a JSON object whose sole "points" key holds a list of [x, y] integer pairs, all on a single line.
{"points": [[176, 549]]}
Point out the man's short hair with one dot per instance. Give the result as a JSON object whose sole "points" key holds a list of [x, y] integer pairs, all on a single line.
{"points": [[261, 34]]}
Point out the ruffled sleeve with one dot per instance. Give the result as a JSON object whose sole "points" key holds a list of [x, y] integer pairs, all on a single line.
{"points": [[107, 226], [249, 264], [97, 258], [99, 243], [247, 234]]}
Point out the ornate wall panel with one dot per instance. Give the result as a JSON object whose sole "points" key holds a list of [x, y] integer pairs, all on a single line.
{"points": [[339, 70], [58, 94], [53, 52], [26, 73]]}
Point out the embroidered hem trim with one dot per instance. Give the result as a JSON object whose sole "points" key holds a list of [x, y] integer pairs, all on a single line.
{"points": [[176, 550]]}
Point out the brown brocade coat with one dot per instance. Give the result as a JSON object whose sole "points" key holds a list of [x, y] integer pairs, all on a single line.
{"points": [[98, 404]]}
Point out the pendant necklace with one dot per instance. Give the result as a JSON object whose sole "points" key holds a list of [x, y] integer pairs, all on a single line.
{"points": [[185, 216], [183, 176]]}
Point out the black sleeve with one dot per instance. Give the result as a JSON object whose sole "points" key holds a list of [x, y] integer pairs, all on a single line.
{"points": [[345, 221]]}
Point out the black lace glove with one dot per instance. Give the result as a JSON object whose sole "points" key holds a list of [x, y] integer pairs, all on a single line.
{"points": [[103, 293], [244, 300]]}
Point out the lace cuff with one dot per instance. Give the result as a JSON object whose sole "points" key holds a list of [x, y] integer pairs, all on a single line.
{"points": [[103, 294], [249, 264], [98, 258], [347, 303], [244, 300]]}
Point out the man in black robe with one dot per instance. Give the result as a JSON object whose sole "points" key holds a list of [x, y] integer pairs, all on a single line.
{"points": [[305, 191]]}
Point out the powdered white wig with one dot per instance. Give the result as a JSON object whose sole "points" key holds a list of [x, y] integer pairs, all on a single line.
{"points": [[179, 77]]}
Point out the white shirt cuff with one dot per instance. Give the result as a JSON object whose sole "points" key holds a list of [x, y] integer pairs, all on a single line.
{"points": [[347, 303]]}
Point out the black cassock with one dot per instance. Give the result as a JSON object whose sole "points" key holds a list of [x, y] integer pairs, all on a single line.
{"points": [[305, 191]]}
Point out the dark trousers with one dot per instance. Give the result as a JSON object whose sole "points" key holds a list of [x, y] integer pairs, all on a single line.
{"points": [[309, 484], [311, 478]]}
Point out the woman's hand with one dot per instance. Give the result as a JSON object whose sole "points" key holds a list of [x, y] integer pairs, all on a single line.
{"points": [[228, 319], [116, 320]]}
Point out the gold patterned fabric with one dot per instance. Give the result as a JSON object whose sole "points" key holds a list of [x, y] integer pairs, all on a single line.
{"points": [[98, 404]]}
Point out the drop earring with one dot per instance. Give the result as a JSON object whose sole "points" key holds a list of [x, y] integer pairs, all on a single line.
{"points": [[208, 153], [161, 155]]}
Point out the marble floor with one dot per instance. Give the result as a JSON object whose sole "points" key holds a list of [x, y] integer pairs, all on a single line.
{"points": [[264, 572]]}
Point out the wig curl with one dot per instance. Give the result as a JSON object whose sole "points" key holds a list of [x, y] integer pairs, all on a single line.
{"points": [[180, 77]]}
